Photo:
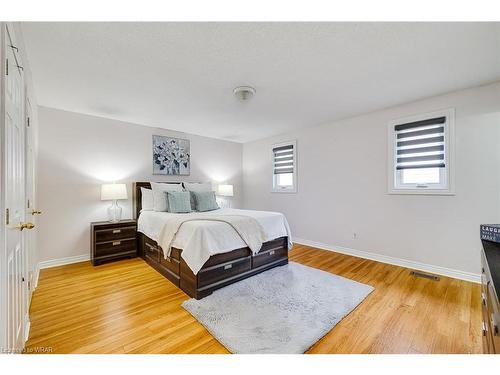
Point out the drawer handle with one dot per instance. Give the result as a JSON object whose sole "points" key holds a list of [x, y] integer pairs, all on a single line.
{"points": [[493, 325], [116, 243], [228, 266], [117, 230], [484, 328], [483, 298], [168, 259], [271, 252]]}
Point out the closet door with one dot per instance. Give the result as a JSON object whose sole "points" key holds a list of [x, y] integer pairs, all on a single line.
{"points": [[15, 223], [32, 211]]}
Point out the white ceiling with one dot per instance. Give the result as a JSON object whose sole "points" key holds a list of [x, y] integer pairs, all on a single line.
{"points": [[181, 75]]}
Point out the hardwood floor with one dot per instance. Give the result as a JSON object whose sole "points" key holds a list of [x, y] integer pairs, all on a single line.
{"points": [[127, 307]]}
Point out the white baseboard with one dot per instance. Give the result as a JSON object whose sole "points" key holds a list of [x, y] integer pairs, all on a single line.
{"points": [[438, 270], [63, 261], [27, 327], [36, 275]]}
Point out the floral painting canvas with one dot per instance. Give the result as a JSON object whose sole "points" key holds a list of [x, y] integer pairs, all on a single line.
{"points": [[170, 156]]}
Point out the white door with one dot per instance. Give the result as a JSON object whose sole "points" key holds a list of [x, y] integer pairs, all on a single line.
{"points": [[29, 243], [31, 210], [14, 197]]}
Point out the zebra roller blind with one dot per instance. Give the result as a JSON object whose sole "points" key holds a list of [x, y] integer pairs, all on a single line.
{"points": [[283, 159], [421, 144]]}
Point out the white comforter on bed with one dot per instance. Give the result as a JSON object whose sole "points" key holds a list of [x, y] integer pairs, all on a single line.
{"points": [[200, 239]]}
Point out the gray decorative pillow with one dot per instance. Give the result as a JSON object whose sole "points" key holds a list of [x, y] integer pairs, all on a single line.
{"points": [[197, 186], [204, 200], [178, 202]]}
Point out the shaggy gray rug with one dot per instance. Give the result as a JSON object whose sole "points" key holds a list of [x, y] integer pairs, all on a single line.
{"points": [[283, 310]]}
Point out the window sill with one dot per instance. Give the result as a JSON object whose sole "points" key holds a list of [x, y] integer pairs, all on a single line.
{"points": [[420, 192], [284, 191]]}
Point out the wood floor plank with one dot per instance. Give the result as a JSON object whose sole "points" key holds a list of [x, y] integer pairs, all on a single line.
{"points": [[127, 307]]}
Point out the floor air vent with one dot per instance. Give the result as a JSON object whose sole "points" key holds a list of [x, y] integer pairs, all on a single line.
{"points": [[424, 275]]}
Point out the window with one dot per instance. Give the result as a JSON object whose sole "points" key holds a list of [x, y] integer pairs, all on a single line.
{"points": [[421, 153], [285, 167]]}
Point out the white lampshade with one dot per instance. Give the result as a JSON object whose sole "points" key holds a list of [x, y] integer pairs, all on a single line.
{"points": [[113, 191], [225, 190]]}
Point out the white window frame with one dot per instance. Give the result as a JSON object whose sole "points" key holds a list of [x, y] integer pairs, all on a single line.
{"points": [[293, 189], [448, 173]]}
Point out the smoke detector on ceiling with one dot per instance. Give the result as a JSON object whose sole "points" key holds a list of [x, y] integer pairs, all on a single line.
{"points": [[244, 93]]}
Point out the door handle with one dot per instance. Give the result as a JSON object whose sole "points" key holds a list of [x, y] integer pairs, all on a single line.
{"points": [[36, 212], [26, 225]]}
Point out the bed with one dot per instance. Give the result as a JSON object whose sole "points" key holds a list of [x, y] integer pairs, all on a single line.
{"points": [[228, 259]]}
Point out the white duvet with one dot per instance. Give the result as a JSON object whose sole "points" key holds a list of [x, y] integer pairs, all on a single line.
{"points": [[200, 239]]}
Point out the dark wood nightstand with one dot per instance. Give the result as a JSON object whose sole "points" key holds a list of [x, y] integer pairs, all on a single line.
{"points": [[111, 241]]}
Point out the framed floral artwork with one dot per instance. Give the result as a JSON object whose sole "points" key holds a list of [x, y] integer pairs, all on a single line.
{"points": [[171, 156]]}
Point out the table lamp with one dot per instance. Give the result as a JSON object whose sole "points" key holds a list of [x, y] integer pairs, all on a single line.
{"points": [[114, 192], [225, 190]]}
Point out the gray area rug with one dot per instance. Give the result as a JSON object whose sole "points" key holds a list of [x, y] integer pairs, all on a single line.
{"points": [[284, 310]]}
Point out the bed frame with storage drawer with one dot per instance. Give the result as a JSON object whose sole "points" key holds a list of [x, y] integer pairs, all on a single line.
{"points": [[219, 271]]}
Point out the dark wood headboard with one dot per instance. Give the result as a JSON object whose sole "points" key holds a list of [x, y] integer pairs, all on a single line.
{"points": [[137, 198]]}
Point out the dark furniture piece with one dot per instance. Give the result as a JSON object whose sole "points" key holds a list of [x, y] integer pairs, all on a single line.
{"points": [[219, 271], [490, 286], [111, 241]]}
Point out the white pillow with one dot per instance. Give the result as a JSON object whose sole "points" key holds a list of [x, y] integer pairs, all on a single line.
{"points": [[198, 186], [147, 199], [159, 196]]}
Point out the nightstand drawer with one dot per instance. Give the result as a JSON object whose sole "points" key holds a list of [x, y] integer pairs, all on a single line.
{"points": [[112, 241], [112, 234], [115, 247]]}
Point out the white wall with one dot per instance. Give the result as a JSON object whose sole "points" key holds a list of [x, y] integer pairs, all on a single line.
{"points": [[78, 152], [342, 185], [342, 180]]}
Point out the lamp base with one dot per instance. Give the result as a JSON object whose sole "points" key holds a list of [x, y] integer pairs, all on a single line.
{"points": [[224, 202], [114, 212]]}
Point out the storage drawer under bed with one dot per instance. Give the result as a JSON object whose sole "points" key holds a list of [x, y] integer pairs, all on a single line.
{"points": [[218, 272], [269, 255], [153, 251], [170, 263]]}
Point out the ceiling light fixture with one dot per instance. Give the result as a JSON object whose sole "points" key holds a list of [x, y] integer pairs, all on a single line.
{"points": [[244, 93]]}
